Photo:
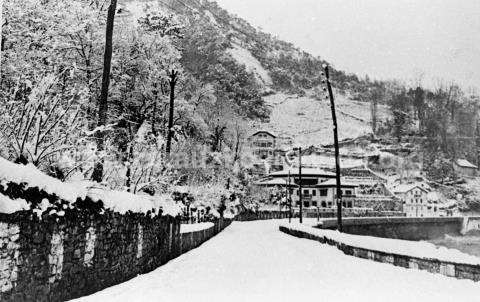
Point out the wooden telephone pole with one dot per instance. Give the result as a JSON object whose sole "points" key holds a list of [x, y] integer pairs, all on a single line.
{"points": [[337, 150], [172, 81], [300, 183]]}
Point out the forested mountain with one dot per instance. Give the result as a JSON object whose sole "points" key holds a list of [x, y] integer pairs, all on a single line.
{"points": [[231, 77]]}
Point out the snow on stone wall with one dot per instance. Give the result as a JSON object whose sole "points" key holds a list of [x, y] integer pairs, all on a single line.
{"points": [[413, 255], [22, 185], [61, 260]]}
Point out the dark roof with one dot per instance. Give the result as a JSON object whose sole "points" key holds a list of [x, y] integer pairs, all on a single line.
{"points": [[264, 131]]}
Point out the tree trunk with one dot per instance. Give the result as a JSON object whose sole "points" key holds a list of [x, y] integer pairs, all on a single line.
{"points": [[97, 174], [173, 82]]}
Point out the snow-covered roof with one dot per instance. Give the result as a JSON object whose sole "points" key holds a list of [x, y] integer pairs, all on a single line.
{"points": [[274, 182], [465, 164], [116, 201], [333, 183], [294, 172], [404, 188], [329, 161]]}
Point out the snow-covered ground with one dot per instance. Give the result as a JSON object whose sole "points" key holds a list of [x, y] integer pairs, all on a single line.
{"points": [[253, 261], [419, 249]]}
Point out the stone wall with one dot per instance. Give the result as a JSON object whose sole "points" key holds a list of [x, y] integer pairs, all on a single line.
{"points": [[347, 212], [261, 215], [450, 269], [407, 228], [56, 260]]}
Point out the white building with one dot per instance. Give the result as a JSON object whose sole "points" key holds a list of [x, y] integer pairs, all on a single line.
{"points": [[415, 201], [318, 187]]}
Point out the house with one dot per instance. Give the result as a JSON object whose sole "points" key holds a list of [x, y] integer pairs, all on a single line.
{"points": [[263, 144], [415, 200], [318, 187], [465, 168]]}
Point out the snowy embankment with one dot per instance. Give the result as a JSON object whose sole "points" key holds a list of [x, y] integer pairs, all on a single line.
{"points": [[116, 201], [253, 261], [195, 227], [417, 249]]}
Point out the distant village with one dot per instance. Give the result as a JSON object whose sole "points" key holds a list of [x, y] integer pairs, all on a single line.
{"points": [[365, 191]]}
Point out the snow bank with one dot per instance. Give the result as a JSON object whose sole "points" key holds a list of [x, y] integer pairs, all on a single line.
{"points": [[34, 178], [9, 206], [418, 249], [122, 202], [116, 201], [189, 228]]}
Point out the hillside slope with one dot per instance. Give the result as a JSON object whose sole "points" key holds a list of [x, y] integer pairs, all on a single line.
{"points": [[307, 121], [287, 75]]}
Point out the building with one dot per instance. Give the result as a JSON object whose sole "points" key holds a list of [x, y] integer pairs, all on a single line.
{"points": [[318, 187], [465, 168], [263, 144], [415, 200]]}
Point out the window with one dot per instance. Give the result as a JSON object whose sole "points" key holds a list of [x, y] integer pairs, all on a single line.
{"points": [[314, 192], [298, 192], [314, 203], [298, 203], [323, 192], [305, 192], [324, 204], [348, 192], [306, 204]]}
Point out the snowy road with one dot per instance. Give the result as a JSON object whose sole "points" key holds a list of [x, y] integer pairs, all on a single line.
{"points": [[253, 261]]}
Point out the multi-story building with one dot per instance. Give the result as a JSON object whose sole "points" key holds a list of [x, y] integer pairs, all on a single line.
{"points": [[263, 144], [318, 187], [415, 201]]}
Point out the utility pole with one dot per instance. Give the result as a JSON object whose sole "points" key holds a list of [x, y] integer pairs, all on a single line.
{"points": [[289, 199], [300, 182], [337, 150], [172, 81]]}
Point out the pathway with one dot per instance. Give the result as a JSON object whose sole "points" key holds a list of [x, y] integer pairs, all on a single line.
{"points": [[253, 261]]}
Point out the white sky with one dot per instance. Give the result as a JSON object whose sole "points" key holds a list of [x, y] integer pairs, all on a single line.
{"points": [[382, 38]]}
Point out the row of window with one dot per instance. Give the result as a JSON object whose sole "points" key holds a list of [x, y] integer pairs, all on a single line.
{"points": [[416, 200], [324, 204], [262, 152], [263, 144], [323, 192]]}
